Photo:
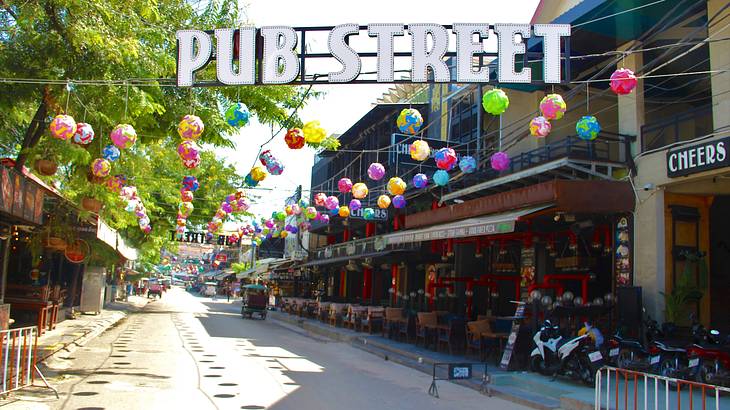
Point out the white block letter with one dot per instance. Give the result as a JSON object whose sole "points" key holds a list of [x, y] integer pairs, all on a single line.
{"points": [[551, 63], [343, 53], [423, 58], [281, 64], [465, 50], [187, 61], [507, 51], [385, 34], [224, 56]]}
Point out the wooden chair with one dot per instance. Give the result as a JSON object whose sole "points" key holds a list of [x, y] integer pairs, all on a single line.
{"points": [[425, 322], [474, 339], [391, 318], [450, 333], [337, 313], [488, 335], [323, 309], [373, 319]]}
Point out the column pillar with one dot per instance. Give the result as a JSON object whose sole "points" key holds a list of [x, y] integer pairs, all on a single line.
{"points": [[631, 106], [649, 253]]}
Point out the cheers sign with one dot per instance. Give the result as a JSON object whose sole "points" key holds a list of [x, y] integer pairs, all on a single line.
{"points": [[278, 54]]}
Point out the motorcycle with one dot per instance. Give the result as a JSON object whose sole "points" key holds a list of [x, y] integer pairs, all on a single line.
{"points": [[708, 356], [631, 353], [555, 355], [670, 355]]}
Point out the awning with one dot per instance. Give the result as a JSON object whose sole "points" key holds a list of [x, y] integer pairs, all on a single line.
{"points": [[262, 266], [330, 261], [485, 225]]}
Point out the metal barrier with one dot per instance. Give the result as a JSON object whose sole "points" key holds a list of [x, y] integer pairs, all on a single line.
{"points": [[628, 389], [18, 355]]}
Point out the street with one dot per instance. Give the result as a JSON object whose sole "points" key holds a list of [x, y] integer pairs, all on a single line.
{"points": [[185, 351]]}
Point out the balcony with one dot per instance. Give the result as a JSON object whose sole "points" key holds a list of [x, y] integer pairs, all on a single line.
{"points": [[684, 126]]}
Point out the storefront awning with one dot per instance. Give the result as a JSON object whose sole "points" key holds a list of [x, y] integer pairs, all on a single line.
{"points": [[485, 225], [330, 261]]}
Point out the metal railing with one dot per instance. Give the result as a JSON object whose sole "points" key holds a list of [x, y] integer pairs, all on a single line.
{"points": [[18, 356], [628, 389]]}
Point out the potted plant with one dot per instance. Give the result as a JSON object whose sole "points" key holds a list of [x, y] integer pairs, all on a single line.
{"points": [[686, 289], [57, 233]]}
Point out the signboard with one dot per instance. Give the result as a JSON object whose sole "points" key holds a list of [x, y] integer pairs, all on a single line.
{"points": [[486, 228], [20, 196], [507, 355], [201, 237], [379, 214], [460, 371], [696, 158], [622, 255], [221, 257], [279, 54]]}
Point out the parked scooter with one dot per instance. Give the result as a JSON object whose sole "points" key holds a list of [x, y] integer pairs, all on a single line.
{"points": [[632, 354], [672, 354], [708, 356], [554, 355]]}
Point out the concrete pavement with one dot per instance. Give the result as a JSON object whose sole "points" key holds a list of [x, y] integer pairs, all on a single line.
{"points": [[190, 352]]}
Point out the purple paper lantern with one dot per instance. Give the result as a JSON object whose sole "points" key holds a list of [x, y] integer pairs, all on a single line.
{"points": [[399, 201], [420, 181], [355, 204], [376, 171], [499, 161]]}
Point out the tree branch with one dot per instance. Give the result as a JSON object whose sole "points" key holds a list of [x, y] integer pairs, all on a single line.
{"points": [[10, 11], [34, 131]]}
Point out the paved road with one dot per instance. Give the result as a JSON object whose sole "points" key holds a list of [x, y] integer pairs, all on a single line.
{"points": [[188, 352]]}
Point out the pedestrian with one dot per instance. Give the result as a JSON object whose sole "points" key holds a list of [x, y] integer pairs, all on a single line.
{"points": [[228, 293]]}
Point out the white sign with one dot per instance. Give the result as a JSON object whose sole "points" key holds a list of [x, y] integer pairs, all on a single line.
{"points": [[281, 53]]}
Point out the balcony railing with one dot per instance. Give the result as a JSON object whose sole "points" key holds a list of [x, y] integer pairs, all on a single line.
{"points": [[682, 127]]}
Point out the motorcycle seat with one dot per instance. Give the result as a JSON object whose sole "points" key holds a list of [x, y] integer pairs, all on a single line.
{"points": [[669, 347]]}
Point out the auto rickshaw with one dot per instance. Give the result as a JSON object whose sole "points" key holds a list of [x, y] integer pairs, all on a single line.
{"points": [[255, 300]]}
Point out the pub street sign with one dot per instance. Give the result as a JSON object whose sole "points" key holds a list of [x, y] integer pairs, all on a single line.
{"points": [[696, 158], [279, 54]]}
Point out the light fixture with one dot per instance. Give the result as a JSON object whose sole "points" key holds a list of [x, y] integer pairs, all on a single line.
{"points": [[458, 201]]}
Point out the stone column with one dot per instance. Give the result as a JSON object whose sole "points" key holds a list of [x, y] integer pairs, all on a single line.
{"points": [[631, 106], [649, 252]]}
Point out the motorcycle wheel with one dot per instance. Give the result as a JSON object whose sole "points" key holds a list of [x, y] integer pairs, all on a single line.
{"points": [[585, 372], [538, 365]]}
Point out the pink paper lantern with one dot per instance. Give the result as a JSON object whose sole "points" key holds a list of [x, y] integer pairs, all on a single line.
{"points": [[320, 198], [376, 171], [332, 203], [623, 81], [123, 136], [63, 127], [499, 161], [540, 127], [344, 185], [445, 158]]}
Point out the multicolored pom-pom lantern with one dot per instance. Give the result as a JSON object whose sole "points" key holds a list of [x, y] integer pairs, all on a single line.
{"points": [[269, 223], [359, 190], [344, 212], [63, 127], [280, 216], [294, 138], [191, 162], [258, 174], [399, 202], [495, 101], [248, 180], [313, 132], [288, 211], [188, 150], [368, 214], [623, 81], [305, 226], [445, 158], [237, 115], [123, 136], [244, 204], [185, 209], [344, 185], [499, 161], [355, 205], [186, 196], [116, 183], [420, 181], [272, 164], [181, 221], [420, 150], [468, 164], [226, 208], [540, 127], [319, 198], [324, 218], [190, 127], [383, 201], [396, 186], [553, 107], [588, 128], [441, 177], [110, 152], [296, 210], [101, 167], [376, 171], [334, 211], [84, 134], [331, 203], [190, 183], [409, 121], [310, 212]]}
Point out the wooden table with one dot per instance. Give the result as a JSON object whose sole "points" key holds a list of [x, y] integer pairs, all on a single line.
{"points": [[42, 308]]}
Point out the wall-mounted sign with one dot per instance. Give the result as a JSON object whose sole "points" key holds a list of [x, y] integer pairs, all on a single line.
{"points": [[279, 54], [379, 214], [221, 257], [698, 158], [201, 237], [622, 255], [20, 196]]}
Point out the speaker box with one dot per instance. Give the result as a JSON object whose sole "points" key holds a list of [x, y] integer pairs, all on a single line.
{"points": [[629, 306]]}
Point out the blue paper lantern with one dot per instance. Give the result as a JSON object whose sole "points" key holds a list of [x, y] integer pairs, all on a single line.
{"points": [[420, 181], [110, 152], [237, 115], [368, 214], [399, 201], [588, 128], [468, 164], [441, 177]]}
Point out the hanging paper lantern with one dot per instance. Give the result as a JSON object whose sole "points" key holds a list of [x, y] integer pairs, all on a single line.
{"points": [[383, 201], [244, 204], [409, 121], [324, 218], [294, 138], [355, 205], [129, 207], [295, 209], [186, 196], [331, 203], [221, 214], [283, 234], [420, 150], [129, 192], [623, 81], [499, 161], [116, 183], [123, 136], [84, 134], [441, 177], [272, 164], [147, 229], [313, 132], [396, 186], [495, 101], [248, 180], [553, 107], [110, 152], [190, 127], [468, 164], [190, 183], [287, 210], [269, 223], [185, 209], [368, 214], [257, 241], [333, 211], [344, 185], [179, 230], [399, 201], [258, 174], [303, 203], [63, 127], [359, 190], [101, 167], [376, 171], [139, 210], [343, 211], [319, 199], [445, 158], [293, 229], [588, 128], [192, 162], [305, 226], [280, 216], [420, 181], [540, 127], [237, 115], [310, 212], [188, 150], [226, 207]]}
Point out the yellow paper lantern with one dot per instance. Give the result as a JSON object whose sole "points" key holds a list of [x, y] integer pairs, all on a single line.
{"points": [[343, 211], [383, 201], [359, 190], [313, 132], [396, 186], [258, 174], [420, 150]]}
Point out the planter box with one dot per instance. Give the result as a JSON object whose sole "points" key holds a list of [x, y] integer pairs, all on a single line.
{"points": [[45, 167], [91, 204]]}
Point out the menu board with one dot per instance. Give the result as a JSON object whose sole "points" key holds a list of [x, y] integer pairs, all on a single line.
{"points": [[622, 253], [6, 190], [527, 266]]}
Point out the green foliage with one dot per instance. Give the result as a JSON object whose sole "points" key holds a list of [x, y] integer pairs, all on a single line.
{"points": [[686, 290], [240, 267]]}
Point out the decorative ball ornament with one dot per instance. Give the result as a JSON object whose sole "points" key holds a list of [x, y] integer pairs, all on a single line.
{"points": [[368, 214], [190, 127], [376, 171], [188, 150], [495, 101], [420, 150], [192, 162], [273, 165], [288, 211], [110, 152], [186, 196], [623, 81], [190, 183], [123, 136], [383, 201], [331, 203], [63, 127], [344, 185], [147, 229], [441, 177], [399, 202], [310, 212], [553, 107], [359, 190], [313, 132], [409, 121], [116, 183], [258, 174], [101, 167], [319, 199], [248, 180], [499, 161], [355, 205], [540, 127], [396, 186], [468, 164], [185, 209], [296, 209], [84, 134], [324, 218], [588, 128], [305, 226], [445, 158], [294, 138], [420, 181], [237, 115], [344, 212]]}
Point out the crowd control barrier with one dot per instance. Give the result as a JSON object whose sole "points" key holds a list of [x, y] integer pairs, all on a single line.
{"points": [[18, 359]]}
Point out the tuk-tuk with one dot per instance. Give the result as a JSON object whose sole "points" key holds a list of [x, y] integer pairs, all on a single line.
{"points": [[255, 300]]}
